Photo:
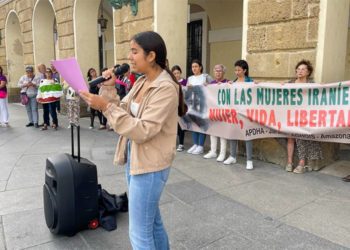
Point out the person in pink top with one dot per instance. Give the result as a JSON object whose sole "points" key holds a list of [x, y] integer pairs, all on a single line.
{"points": [[4, 113]]}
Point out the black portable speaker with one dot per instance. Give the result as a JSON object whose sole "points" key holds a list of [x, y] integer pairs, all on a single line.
{"points": [[70, 192]]}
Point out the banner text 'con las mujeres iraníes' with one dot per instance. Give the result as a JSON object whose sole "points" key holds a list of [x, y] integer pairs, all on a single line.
{"points": [[247, 111]]}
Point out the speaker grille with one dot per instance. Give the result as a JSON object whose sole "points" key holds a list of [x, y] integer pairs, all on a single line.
{"points": [[49, 208]]}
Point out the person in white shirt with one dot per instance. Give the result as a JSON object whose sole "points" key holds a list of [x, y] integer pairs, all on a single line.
{"points": [[29, 84], [198, 106]]}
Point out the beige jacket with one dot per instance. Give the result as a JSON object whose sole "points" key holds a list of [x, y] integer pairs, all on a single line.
{"points": [[153, 131]]}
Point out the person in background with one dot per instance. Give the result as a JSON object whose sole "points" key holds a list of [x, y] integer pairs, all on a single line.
{"points": [[73, 106], [4, 113], [126, 75], [49, 92], [193, 82], [242, 75], [122, 82], [56, 77], [29, 84], [55, 74], [307, 150], [146, 120], [91, 75], [41, 71], [219, 73], [176, 70], [110, 92]]}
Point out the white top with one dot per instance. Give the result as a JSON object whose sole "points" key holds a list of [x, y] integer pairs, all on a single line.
{"points": [[134, 108], [197, 80]]}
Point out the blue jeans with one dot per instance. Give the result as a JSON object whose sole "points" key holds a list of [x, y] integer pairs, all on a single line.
{"points": [[198, 138], [32, 110], [146, 230]]}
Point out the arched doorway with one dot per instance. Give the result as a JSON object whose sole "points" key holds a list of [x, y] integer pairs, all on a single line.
{"points": [[44, 32], [94, 43], [14, 49]]}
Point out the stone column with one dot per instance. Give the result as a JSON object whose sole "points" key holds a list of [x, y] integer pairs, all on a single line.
{"points": [[170, 21]]}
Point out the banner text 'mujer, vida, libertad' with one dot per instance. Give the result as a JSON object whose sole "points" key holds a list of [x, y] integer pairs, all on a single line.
{"points": [[320, 98]]}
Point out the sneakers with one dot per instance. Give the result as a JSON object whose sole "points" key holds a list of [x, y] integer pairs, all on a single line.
{"points": [[249, 165], [221, 158], [190, 151], [210, 155], [180, 148], [198, 150], [289, 167], [102, 127], [91, 127], [230, 160]]}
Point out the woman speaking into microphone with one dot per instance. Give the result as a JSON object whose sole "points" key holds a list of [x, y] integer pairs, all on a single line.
{"points": [[146, 120]]}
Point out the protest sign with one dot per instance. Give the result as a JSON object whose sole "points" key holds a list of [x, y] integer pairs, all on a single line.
{"points": [[246, 111]]}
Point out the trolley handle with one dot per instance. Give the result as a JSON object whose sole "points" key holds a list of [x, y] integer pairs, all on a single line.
{"points": [[72, 126]]}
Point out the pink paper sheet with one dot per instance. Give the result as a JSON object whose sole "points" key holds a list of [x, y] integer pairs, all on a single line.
{"points": [[69, 69]]}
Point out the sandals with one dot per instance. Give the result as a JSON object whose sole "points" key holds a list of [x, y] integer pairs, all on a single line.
{"points": [[54, 126], [302, 169], [44, 127], [346, 178]]}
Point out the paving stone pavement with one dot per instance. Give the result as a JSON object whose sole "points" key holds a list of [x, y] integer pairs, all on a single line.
{"points": [[205, 205]]}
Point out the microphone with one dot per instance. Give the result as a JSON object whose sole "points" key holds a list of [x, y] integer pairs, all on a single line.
{"points": [[119, 70], [98, 80]]}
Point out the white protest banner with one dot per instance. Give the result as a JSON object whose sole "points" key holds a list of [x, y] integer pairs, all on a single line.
{"points": [[246, 111]]}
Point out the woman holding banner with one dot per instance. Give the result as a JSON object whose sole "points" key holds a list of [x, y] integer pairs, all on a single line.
{"points": [[242, 75], [310, 150], [195, 95], [219, 73], [146, 120]]}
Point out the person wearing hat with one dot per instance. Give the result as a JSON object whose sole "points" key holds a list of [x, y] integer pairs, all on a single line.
{"points": [[29, 84]]}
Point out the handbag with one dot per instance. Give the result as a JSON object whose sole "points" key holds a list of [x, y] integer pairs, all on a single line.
{"points": [[24, 98]]}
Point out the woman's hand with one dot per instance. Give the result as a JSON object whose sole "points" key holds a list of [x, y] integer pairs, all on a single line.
{"points": [[109, 74], [94, 101]]}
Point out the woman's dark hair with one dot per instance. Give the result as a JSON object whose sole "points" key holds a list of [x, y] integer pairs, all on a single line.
{"points": [[199, 63], [89, 75], [121, 69], [176, 67], [308, 64], [152, 41], [103, 70], [244, 65]]}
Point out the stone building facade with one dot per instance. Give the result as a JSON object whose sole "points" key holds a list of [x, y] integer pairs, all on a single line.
{"points": [[273, 35]]}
